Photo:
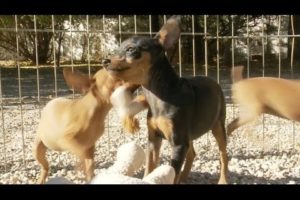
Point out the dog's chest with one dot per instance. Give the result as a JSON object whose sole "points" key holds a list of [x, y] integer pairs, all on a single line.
{"points": [[159, 107], [162, 125]]}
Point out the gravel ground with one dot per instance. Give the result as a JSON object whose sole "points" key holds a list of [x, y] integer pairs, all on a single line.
{"points": [[264, 152]]}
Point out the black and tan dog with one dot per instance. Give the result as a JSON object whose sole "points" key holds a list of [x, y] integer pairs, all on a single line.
{"points": [[181, 109]]}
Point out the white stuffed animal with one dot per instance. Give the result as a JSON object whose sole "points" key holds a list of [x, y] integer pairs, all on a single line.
{"points": [[163, 174], [130, 158]]}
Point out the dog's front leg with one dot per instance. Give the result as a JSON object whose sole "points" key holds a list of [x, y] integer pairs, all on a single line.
{"points": [[154, 143], [89, 163], [152, 156], [178, 155], [39, 152], [188, 162]]}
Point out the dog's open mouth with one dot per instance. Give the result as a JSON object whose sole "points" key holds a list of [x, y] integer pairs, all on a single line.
{"points": [[117, 69]]}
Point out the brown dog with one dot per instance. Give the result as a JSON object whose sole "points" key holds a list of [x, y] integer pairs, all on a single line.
{"points": [[75, 125], [180, 109], [254, 96]]}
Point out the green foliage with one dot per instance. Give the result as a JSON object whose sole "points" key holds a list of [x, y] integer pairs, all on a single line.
{"points": [[29, 40]]}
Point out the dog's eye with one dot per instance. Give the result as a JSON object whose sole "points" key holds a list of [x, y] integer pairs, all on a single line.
{"points": [[133, 52], [130, 50]]}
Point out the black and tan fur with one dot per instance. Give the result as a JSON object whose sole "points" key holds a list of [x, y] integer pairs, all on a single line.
{"points": [[181, 109]]}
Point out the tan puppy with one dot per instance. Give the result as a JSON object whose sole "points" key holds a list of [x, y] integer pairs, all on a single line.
{"points": [[75, 125], [254, 96]]}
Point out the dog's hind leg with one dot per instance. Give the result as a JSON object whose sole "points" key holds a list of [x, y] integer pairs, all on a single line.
{"points": [[86, 155], [89, 163], [188, 162], [178, 155], [220, 134], [247, 113], [240, 121], [39, 152]]}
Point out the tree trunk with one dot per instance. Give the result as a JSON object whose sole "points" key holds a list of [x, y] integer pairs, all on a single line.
{"points": [[199, 42], [228, 48], [58, 52], [84, 48]]}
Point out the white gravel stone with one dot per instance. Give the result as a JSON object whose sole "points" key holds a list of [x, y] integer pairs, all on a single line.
{"points": [[251, 160]]}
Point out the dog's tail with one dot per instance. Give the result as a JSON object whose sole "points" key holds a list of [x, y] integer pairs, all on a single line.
{"points": [[237, 73]]}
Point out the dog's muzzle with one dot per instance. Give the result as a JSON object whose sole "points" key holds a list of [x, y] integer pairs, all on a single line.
{"points": [[116, 69], [114, 65]]}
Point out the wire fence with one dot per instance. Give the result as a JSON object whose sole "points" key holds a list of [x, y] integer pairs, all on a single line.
{"points": [[26, 87]]}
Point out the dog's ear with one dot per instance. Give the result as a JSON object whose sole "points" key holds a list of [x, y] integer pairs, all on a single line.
{"points": [[77, 80], [169, 33], [237, 73]]}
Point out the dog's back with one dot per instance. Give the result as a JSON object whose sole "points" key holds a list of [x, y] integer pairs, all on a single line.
{"points": [[53, 121], [270, 95], [208, 99]]}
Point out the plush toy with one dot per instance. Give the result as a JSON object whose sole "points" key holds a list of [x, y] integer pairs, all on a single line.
{"points": [[127, 106], [130, 158], [163, 174]]}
